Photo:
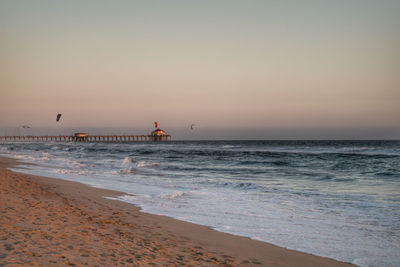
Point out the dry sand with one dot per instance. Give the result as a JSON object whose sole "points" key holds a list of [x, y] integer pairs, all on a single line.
{"points": [[52, 222]]}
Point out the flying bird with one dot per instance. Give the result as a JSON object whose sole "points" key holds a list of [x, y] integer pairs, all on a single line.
{"points": [[192, 126], [26, 126], [58, 117]]}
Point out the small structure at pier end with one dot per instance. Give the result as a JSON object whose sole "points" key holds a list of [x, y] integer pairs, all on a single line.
{"points": [[80, 137], [159, 135]]}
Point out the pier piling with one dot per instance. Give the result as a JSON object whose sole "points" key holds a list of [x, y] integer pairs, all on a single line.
{"points": [[86, 138]]}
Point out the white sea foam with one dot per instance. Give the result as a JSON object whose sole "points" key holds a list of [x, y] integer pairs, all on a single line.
{"points": [[143, 163], [177, 194], [126, 162], [130, 166]]}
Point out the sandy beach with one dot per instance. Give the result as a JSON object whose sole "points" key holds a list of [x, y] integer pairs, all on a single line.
{"points": [[53, 222]]}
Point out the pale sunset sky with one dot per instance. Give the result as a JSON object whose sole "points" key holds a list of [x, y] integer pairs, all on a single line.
{"points": [[237, 69]]}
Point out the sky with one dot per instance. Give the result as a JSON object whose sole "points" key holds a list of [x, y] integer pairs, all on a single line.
{"points": [[236, 69]]}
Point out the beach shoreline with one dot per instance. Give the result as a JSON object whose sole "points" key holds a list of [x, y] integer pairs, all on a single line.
{"points": [[52, 222]]}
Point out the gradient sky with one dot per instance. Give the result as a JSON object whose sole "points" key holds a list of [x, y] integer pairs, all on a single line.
{"points": [[218, 64]]}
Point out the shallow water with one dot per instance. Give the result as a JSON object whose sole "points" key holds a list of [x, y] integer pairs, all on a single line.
{"points": [[338, 199]]}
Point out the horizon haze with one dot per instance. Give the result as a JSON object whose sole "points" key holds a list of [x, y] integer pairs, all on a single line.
{"points": [[237, 69]]}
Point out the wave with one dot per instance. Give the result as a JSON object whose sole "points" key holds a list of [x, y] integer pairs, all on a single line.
{"points": [[126, 162], [145, 152], [127, 171], [71, 171], [130, 166], [231, 146], [174, 195], [143, 163], [129, 162]]}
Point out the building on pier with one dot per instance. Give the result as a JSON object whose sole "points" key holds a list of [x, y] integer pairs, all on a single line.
{"points": [[159, 135], [80, 137]]}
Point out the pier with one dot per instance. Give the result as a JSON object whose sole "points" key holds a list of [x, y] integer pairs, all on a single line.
{"points": [[85, 138]]}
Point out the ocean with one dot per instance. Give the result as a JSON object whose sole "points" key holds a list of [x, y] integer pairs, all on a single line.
{"points": [[338, 199]]}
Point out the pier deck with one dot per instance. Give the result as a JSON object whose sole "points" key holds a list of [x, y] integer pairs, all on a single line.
{"points": [[87, 138]]}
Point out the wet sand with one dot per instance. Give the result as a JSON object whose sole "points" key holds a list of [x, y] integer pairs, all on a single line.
{"points": [[53, 222]]}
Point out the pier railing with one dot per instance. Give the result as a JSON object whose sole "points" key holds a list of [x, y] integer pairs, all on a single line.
{"points": [[87, 138]]}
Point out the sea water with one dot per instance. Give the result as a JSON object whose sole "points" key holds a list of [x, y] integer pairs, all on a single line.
{"points": [[338, 199]]}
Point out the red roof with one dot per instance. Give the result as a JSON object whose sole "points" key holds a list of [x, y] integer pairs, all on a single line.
{"points": [[158, 131]]}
